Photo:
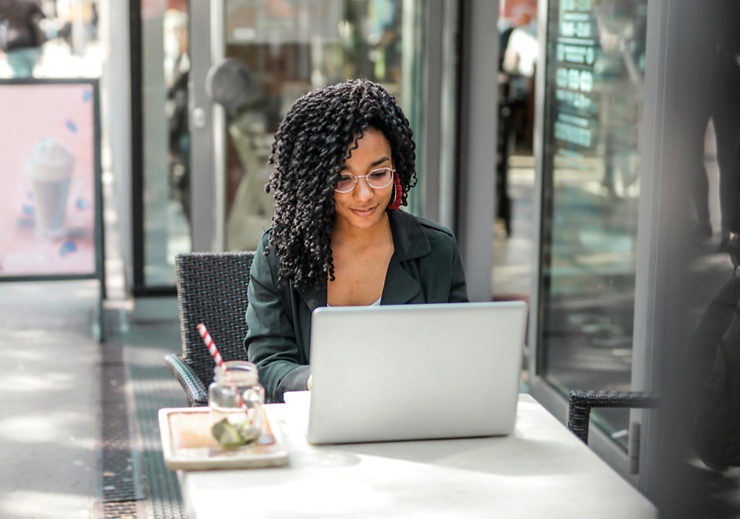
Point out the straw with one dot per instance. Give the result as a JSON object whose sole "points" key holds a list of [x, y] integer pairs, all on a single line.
{"points": [[213, 350]]}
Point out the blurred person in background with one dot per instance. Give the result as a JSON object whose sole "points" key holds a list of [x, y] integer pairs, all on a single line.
{"points": [[519, 47], [618, 83], [21, 35], [518, 61], [724, 88], [234, 86], [177, 77]]}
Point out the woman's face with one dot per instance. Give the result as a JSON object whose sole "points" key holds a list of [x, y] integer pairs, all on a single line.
{"points": [[364, 207]]}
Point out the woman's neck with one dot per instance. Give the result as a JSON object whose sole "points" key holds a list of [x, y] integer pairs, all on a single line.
{"points": [[348, 235]]}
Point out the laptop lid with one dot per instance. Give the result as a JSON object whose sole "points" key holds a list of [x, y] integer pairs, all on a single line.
{"points": [[403, 372]]}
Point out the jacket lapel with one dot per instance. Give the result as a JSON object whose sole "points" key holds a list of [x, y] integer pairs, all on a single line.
{"points": [[409, 242], [313, 297], [400, 287]]}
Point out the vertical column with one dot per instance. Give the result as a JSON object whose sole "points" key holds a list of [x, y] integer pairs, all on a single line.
{"points": [[477, 144], [201, 128]]}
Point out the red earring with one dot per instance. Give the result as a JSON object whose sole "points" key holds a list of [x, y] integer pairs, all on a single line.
{"points": [[397, 193]]}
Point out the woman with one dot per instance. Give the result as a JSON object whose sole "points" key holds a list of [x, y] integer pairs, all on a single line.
{"points": [[343, 162]]}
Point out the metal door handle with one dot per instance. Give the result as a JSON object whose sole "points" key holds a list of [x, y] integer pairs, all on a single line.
{"points": [[199, 118]]}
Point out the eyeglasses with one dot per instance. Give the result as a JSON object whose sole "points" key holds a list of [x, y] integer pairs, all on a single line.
{"points": [[376, 179]]}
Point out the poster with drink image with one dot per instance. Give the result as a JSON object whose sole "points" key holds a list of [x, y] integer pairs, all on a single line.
{"points": [[48, 207]]}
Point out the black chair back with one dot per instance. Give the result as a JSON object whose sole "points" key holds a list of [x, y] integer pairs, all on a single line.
{"points": [[212, 289]]}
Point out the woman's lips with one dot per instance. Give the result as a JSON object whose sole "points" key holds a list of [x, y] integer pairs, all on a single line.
{"points": [[364, 212]]}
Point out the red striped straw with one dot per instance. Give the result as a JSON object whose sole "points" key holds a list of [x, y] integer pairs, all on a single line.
{"points": [[213, 350]]}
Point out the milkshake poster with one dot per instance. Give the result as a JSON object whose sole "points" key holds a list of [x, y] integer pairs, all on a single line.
{"points": [[49, 166]]}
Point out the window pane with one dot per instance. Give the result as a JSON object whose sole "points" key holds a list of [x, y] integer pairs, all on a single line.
{"points": [[165, 70], [595, 66]]}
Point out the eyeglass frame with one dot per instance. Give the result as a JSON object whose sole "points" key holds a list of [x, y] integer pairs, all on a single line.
{"points": [[358, 177]]}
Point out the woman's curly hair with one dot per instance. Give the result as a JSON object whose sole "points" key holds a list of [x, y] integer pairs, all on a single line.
{"points": [[308, 153]]}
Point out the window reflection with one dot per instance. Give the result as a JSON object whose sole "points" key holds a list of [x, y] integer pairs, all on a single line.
{"points": [[177, 75], [596, 54], [166, 190]]}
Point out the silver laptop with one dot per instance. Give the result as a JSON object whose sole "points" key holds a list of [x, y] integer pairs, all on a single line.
{"points": [[411, 372]]}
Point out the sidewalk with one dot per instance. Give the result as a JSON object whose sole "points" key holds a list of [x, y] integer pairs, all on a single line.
{"points": [[56, 439], [49, 423]]}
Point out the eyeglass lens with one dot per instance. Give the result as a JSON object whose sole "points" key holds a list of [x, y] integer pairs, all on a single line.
{"points": [[376, 179]]}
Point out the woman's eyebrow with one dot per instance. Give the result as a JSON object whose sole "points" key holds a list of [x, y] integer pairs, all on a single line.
{"points": [[379, 162], [376, 163]]}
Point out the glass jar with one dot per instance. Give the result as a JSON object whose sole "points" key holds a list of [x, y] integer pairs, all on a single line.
{"points": [[236, 426]]}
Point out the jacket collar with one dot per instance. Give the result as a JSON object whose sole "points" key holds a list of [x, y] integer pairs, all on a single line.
{"points": [[409, 242]]}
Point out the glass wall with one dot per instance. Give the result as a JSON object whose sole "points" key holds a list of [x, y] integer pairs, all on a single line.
{"points": [[593, 112], [276, 52], [165, 196]]}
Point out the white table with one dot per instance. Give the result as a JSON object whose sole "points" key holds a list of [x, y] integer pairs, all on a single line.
{"points": [[540, 471]]}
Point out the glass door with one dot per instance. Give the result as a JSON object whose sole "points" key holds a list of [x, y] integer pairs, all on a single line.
{"points": [[160, 142], [265, 55], [590, 189]]}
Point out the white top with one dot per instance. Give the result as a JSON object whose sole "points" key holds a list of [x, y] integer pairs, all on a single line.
{"points": [[541, 470], [376, 303]]}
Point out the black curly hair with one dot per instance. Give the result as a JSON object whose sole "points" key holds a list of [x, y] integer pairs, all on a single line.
{"points": [[308, 153]]}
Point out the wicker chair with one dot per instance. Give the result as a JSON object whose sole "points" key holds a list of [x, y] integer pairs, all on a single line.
{"points": [[211, 289], [580, 404]]}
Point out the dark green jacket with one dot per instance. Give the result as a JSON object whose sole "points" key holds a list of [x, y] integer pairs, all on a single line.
{"points": [[425, 268]]}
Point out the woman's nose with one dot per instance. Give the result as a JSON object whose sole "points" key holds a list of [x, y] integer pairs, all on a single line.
{"points": [[363, 190]]}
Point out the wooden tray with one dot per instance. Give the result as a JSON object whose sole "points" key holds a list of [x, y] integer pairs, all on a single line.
{"points": [[187, 443]]}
